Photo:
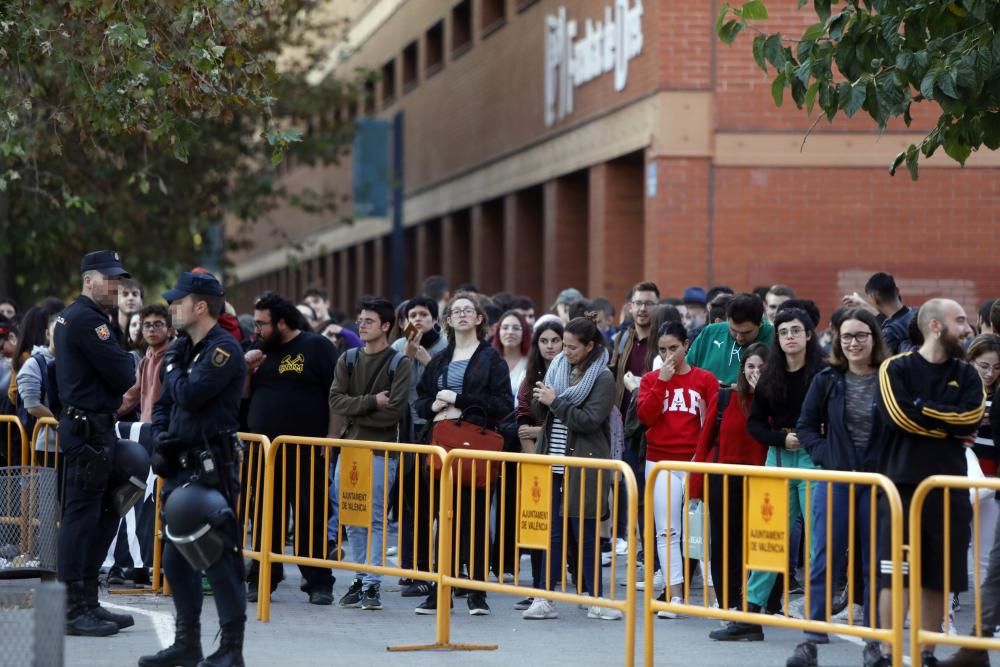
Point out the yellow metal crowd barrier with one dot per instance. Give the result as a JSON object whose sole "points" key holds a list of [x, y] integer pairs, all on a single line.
{"points": [[765, 547], [296, 474], [919, 636], [537, 515], [250, 512], [17, 441], [46, 428]]}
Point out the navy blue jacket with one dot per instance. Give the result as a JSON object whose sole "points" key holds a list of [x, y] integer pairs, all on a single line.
{"points": [[822, 428], [93, 372], [201, 398]]}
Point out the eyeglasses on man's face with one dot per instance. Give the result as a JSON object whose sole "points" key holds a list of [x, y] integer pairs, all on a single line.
{"points": [[638, 305], [150, 326], [459, 312], [791, 332]]}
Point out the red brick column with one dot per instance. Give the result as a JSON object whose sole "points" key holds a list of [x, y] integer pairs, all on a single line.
{"points": [[486, 237], [565, 235], [522, 244], [616, 227]]}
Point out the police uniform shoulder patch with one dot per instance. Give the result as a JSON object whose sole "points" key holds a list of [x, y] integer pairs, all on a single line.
{"points": [[220, 357], [103, 332]]}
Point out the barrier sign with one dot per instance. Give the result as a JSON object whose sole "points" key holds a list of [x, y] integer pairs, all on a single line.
{"points": [[767, 524], [355, 487], [535, 523]]}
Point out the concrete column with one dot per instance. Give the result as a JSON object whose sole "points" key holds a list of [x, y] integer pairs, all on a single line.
{"points": [[379, 266]]}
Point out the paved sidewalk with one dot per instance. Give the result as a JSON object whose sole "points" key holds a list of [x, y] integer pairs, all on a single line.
{"points": [[300, 634]]}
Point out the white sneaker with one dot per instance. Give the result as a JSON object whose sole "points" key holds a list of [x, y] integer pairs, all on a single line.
{"points": [[951, 624], [621, 547], [605, 558], [603, 614], [659, 583], [540, 610], [671, 614]]}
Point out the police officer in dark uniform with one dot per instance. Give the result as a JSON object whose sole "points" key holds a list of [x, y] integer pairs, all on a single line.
{"points": [[195, 422], [93, 372]]}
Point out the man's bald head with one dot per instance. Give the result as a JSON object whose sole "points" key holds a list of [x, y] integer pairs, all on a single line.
{"points": [[935, 310]]}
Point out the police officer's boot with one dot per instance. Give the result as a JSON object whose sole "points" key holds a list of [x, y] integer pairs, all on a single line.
{"points": [[121, 620], [80, 620], [230, 653], [184, 652]]}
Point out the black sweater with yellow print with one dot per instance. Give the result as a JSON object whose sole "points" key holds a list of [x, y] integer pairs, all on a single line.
{"points": [[930, 409]]}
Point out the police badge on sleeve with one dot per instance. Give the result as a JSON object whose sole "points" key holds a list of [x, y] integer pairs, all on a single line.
{"points": [[219, 357], [103, 332]]}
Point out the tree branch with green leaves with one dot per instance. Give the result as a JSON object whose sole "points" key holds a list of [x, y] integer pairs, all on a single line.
{"points": [[881, 57]]}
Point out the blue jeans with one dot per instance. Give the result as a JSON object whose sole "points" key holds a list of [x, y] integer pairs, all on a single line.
{"points": [[584, 580], [837, 551], [358, 537]]}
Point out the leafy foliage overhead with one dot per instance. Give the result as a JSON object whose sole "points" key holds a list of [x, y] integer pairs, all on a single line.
{"points": [[883, 56], [141, 125]]}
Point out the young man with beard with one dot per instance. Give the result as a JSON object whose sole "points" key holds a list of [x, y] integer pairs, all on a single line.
{"points": [[289, 378], [719, 347], [156, 331], [932, 401]]}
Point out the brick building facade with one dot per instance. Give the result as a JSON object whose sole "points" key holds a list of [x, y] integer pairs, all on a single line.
{"points": [[672, 164]]}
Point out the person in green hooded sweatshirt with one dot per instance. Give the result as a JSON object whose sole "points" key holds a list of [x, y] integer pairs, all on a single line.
{"points": [[719, 347]]}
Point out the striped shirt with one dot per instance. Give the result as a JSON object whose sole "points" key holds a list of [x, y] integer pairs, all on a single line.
{"points": [[557, 443]]}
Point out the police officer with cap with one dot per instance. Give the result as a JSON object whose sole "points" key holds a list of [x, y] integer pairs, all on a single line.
{"points": [[93, 372], [195, 422]]}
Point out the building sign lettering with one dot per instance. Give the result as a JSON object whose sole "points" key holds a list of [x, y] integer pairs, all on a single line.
{"points": [[603, 47]]}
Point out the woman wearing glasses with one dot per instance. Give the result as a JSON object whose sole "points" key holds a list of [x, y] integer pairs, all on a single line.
{"points": [[841, 429], [984, 355], [795, 359], [468, 379]]}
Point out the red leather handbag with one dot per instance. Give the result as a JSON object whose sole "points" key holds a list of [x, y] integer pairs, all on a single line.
{"points": [[462, 434]]}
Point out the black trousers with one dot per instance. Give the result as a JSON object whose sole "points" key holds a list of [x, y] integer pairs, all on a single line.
{"points": [[88, 523], [506, 521], [731, 559], [311, 471], [225, 575], [415, 527]]}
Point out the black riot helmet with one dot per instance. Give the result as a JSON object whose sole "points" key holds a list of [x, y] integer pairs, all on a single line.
{"points": [[129, 471], [194, 515]]}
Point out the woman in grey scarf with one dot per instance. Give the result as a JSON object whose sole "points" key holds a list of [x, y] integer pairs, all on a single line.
{"points": [[574, 402]]}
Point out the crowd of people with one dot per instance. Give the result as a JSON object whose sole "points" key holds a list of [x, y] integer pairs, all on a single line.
{"points": [[755, 378]]}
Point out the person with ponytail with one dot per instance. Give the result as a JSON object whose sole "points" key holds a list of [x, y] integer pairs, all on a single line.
{"points": [[574, 404]]}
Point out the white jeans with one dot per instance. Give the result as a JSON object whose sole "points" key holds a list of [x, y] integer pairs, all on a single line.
{"points": [[672, 483]]}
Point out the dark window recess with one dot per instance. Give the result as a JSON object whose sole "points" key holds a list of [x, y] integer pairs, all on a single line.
{"points": [[388, 83], [494, 15], [368, 103], [410, 67], [435, 48], [461, 27]]}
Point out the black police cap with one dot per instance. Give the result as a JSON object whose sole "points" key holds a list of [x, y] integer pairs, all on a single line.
{"points": [[202, 284], [108, 262]]}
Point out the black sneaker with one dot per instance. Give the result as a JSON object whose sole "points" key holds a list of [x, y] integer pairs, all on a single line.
{"points": [[460, 592], [430, 604], [353, 596], [927, 659], [477, 604], [416, 589], [116, 576], [871, 655], [734, 632], [795, 586], [804, 655], [371, 600], [322, 598], [521, 605]]}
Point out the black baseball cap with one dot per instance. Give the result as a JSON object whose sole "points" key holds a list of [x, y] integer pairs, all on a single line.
{"points": [[204, 284], [108, 262]]}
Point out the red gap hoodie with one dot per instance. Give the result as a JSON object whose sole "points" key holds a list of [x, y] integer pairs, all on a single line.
{"points": [[673, 412]]}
